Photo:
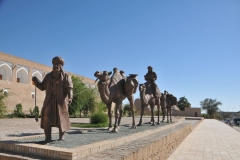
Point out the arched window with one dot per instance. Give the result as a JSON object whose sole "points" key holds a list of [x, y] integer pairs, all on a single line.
{"points": [[22, 75], [5, 72]]}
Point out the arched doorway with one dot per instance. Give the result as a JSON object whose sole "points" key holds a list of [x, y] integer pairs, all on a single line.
{"points": [[5, 72], [22, 75]]}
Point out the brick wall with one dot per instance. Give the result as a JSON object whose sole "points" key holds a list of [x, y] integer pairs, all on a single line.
{"points": [[22, 93]]}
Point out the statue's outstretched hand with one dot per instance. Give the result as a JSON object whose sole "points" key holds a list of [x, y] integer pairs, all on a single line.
{"points": [[34, 79]]}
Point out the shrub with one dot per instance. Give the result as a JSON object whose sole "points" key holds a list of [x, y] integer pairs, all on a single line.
{"points": [[10, 115], [34, 113], [127, 110], [218, 116], [101, 107], [31, 112], [18, 111], [3, 108], [87, 125], [156, 113], [3, 111], [98, 118]]}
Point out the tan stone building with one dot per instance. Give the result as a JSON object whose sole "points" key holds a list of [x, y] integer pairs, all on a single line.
{"points": [[188, 112], [16, 79], [147, 110]]}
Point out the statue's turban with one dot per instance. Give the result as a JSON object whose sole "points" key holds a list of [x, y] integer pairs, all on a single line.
{"points": [[58, 59]]}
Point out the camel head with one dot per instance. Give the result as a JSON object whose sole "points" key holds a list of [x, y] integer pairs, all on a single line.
{"points": [[142, 88], [102, 76]]}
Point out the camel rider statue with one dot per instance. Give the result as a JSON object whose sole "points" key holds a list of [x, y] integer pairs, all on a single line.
{"points": [[151, 77]]}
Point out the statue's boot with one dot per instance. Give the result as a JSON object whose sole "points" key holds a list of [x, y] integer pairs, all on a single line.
{"points": [[47, 132], [61, 134]]}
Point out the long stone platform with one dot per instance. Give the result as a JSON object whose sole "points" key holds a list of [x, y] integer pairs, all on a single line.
{"points": [[153, 142]]}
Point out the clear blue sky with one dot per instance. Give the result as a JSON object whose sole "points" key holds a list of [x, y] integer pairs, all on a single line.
{"points": [[193, 46]]}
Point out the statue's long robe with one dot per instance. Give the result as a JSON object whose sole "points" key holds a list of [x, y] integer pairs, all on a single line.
{"points": [[55, 106]]}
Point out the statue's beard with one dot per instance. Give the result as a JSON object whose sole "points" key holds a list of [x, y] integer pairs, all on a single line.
{"points": [[56, 70]]}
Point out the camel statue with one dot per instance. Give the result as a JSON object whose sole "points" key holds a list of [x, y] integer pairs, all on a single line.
{"points": [[116, 89], [147, 98], [171, 100]]}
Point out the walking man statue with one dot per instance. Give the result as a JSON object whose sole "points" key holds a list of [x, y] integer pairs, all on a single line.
{"points": [[58, 86]]}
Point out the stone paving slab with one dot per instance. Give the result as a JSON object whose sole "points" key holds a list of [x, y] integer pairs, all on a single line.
{"points": [[210, 140], [20, 127], [75, 138]]}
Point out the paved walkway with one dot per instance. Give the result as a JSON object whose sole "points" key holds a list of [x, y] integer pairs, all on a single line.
{"points": [[210, 140]]}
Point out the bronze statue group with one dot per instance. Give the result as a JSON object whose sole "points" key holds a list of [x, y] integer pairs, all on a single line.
{"points": [[113, 89]]}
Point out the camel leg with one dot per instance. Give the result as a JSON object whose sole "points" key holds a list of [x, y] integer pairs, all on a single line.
{"points": [[170, 113], [141, 115], [109, 116], [158, 121], [115, 129], [167, 114], [130, 99], [163, 113], [120, 115], [152, 115], [158, 106], [151, 121]]}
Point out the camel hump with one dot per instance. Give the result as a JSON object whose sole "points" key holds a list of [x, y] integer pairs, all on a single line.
{"points": [[116, 77]]}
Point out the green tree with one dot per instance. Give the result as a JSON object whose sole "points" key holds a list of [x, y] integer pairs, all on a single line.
{"points": [[85, 99], [127, 109], [210, 105], [183, 103], [101, 107], [3, 107]]}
